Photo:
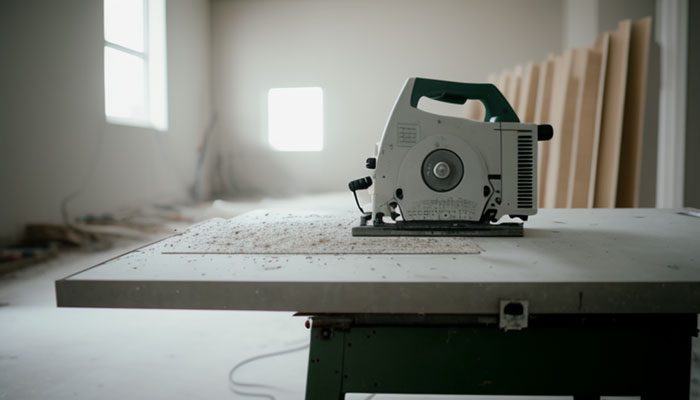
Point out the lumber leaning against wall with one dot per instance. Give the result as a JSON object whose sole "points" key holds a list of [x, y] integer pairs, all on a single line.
{"points": [[561, 118], [612, 116], [542, 108], [515, 80], [594, 98], [528, 93], [633, 120], [602, 45], [586, 70]]}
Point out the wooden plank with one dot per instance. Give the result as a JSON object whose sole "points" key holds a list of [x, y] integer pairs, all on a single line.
{"points": [[587, 70], [633, 120], [542, 108], [612, 116], [513, 94], [503, 82], [528, 93], [562, 119], [602, 45]]}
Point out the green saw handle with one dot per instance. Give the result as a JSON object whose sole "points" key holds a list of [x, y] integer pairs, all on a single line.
{"points": [[497, 107]]}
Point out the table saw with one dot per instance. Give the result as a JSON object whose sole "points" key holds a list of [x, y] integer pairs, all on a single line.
{"points": [[588, 303]]}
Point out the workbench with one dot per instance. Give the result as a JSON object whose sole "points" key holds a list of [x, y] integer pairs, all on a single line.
{"points": [[588, 303]]}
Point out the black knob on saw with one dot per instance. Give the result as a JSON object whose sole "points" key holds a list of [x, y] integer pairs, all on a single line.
{"points": [[371, 163], [359, 184], [544, 132]]}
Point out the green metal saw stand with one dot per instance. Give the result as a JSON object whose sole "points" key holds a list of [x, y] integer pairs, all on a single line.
{"points": [[586, 356]]}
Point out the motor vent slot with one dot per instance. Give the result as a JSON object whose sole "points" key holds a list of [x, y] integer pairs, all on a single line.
{"points": [[526, 171]]}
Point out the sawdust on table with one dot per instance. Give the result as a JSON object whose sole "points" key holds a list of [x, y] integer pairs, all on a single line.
{"points": [[269, 232]]}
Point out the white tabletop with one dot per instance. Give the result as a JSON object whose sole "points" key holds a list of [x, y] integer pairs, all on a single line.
{"points": [[569, 261]]}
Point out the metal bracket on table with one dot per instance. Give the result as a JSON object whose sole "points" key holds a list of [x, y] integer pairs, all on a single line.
{"points": [[514, 315], [339, 323]]}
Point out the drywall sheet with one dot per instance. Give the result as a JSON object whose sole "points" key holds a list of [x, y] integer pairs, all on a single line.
{"points": [[587, 71], [562, 118], [612, 116], [270, 232], [633, 120], [542, 107]]}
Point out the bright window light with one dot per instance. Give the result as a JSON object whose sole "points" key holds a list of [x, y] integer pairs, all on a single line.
{"points": [[125, 84], [295, 119], [134, 62], [124, 23]]}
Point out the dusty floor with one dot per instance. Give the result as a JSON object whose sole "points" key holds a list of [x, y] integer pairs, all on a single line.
{"points": [[47, 352]]}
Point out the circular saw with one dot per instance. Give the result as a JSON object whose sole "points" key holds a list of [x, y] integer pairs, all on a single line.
{"points": [[437, 175]]}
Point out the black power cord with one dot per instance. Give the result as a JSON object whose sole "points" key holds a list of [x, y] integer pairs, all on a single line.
{"points": [[359, 184]]}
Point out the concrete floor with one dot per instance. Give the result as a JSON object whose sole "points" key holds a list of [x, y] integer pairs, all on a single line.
{"points": [[47, 352]]}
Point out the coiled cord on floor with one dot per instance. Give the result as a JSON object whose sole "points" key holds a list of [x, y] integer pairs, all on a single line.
{"points": [[235, 386]]}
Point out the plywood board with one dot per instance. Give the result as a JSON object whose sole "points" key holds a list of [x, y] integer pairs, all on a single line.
{"points": [[528, 93], [633, 120], [513, 92], [562, 118], [612, 116], [587, 70], [542, 112], [602, 45], [503, 82]]}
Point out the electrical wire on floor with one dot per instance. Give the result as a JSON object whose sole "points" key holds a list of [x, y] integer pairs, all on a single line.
{"points": [[235, 385]]}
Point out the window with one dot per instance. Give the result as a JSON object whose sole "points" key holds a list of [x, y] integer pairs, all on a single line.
{"points": [[295, 119], [134, 62]]}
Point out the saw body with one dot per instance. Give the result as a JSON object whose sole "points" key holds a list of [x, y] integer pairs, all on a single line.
{"points": [[452, 172]]}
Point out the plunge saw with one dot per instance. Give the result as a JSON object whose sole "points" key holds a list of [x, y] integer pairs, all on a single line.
{"points": [[437, 175]]}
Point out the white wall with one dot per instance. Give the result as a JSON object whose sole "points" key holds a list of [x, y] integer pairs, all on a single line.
{"points": [[360, 53], [580, 23], [52, 123]]}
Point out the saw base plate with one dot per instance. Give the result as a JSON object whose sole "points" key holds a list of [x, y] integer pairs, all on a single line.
{"points": [[433, 228]]}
